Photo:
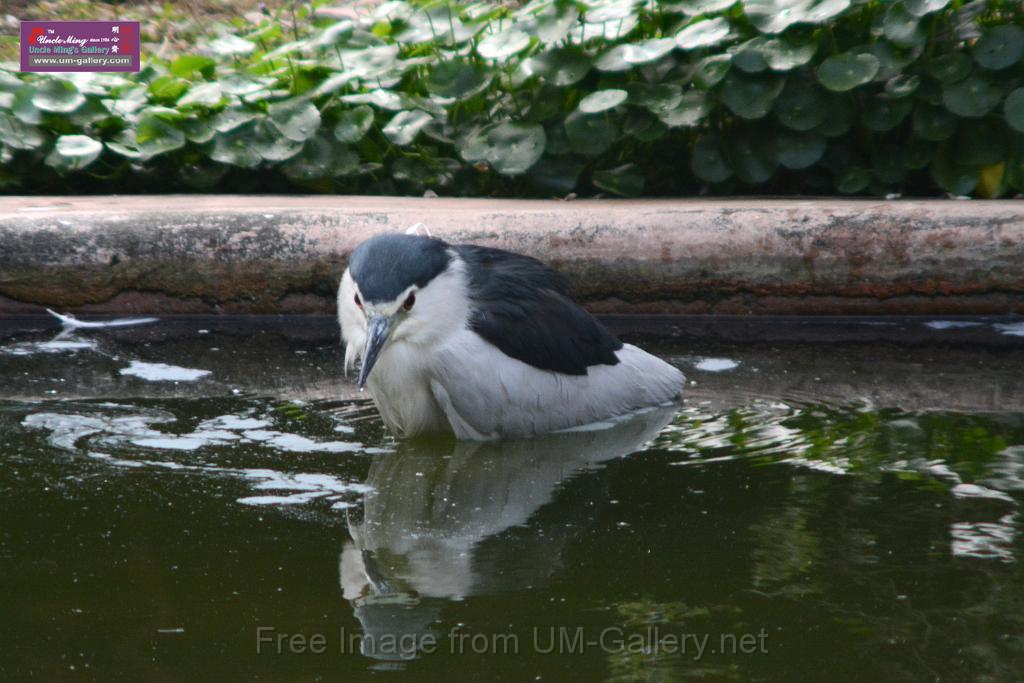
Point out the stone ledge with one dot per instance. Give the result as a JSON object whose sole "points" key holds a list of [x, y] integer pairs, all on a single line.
{"points": [[285, 254]]}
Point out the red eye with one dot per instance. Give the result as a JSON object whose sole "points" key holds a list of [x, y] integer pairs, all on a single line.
{"points": [[358, 301], [410, 301]]}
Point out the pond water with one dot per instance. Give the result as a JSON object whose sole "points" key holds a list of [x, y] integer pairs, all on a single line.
{"points": [[202, 497]]}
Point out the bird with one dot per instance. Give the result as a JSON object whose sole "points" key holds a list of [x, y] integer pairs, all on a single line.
{"points": [[484, 344]]}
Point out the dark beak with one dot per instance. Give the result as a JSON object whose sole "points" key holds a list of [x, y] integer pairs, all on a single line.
{"points": [[376, 336]]}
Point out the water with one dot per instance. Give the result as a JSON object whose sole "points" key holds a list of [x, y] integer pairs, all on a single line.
{"points": [[834, 497]]}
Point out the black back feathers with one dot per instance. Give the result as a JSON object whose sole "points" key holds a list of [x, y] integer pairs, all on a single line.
{"points": [[524, 308]]}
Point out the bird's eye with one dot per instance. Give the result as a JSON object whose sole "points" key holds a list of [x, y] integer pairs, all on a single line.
{"points": [[359, 302], [410, 301]]}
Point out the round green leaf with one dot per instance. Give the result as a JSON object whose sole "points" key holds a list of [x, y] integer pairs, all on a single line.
{"points": [[846, 71], [559, 66], [155, 134], [703, 33], [58, 96], [799, 150], [901, 27], [752, 156], [557, 176], [353, 124], [933, 123], [589, 135], [625, 180], [405, 126], [553, 22], [204, 94], [949, 68], [228, 46], [853, 181], [749, 56], [501, 46], [271, 145], [235, 148], [902, 85], [602, 100], [711, 70], [775, 16], [838, 117], [971, 97], [626, 56], [782, 55], [885, 114], [695, 7], [186, 65], [514, 147], [1013, 109], [999, 47], [199, 128], [920, 8], [707, 161], [800, 107], [77, 151], [952, 175], [751, 97], [457, 80], [656, 97], [692, 107], [23, 108], [643, 126], [314, 162], [297, 119]]}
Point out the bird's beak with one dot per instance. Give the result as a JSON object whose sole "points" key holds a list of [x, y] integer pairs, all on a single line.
{"points": [[376, 336]]}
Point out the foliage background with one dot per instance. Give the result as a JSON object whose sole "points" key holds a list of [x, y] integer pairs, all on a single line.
{"points": [[620, 97]]}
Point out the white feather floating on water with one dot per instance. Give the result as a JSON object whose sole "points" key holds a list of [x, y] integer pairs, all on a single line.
{"points": [[73, 322]]}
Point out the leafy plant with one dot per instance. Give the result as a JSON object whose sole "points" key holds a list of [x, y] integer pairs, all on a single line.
{"points": [[624, 97]]}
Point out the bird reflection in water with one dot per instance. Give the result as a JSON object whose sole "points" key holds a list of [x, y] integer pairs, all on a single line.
{"points": [[419, 538]]}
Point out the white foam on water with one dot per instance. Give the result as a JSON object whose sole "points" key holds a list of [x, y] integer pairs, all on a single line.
{"points": [[985, 540], [72, 322], [950, 324], [1013, 329], [716, 364], [161, 372], [53, 346]]}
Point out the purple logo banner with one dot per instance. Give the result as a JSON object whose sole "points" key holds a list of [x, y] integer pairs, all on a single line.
{"points": [[80, 46]]}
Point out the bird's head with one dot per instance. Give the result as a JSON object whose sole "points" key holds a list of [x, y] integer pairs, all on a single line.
{"points": [[398, 288]]}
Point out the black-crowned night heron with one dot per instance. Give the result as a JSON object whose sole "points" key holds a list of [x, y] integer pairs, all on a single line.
{"points": [[484, 343]]}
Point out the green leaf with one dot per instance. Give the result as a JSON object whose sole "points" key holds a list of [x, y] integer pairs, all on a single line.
{"points": [[156, 134], [749, 56], [337, 33], [839, 117], [902, 27], [799, 150], [643, 126], [458, 80], [625, 180], [187, 65], [589, 135], [999, 47], [380, 98], [800, 106], [23, 108], [56, 95], [405, 126], [557, 176], [229, 46], [553, 22], [297, 119], [711, 70], [204, 94], [752, 156], [775, 16], [703, 33], [782, 55], [920, 8], [230, 119], [602, 100], [952, 175], [559, 66], [628, 55], [933, 123], [692, 107], [198, 129], [314, 162], [884, 114], [749, 97], [17, 134], [902, 85], [971, 97], [235, 148], [846, 71], [271, 145], [707, 161], [501, 46], [353, 124], [510, 148], [695, 7], [949, 68], [1013, 109], [76, 151], [853, 181]]}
